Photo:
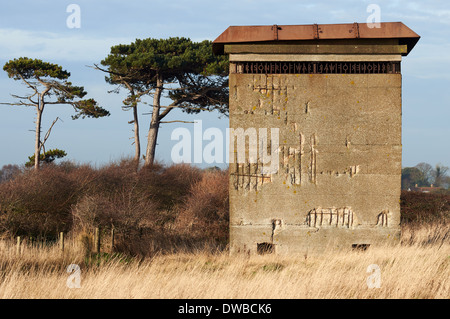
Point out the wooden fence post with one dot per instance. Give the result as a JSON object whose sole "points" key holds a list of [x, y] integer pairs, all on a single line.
{"points": [[18, 245], [112, 239], [61, 241]]}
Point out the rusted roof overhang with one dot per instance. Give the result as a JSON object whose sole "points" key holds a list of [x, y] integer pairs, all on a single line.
{"points": [[315, 32]]}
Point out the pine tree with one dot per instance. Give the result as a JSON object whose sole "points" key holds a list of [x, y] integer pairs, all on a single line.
{"points": [[49, 85], [194, 78]]}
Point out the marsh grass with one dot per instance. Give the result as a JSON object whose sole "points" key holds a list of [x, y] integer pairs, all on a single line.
{"points": [[418, 267]]}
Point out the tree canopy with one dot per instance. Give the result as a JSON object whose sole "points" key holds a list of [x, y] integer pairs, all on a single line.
{"points": [[26, 68], [47, 157], [52, 78]]}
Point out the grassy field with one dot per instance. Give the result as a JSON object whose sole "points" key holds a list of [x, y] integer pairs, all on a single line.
{"points": [[419, 267]]}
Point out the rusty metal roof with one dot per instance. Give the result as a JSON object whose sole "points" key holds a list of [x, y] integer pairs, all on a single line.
{"points": [[273, 33]]}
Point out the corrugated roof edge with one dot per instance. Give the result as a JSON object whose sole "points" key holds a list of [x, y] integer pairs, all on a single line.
{"points": [[271, 33]]}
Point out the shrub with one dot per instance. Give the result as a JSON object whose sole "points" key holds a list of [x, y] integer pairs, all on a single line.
{"points": [[139, 205], [155, 208], [424, 207], [38, 203], [205, 211]]}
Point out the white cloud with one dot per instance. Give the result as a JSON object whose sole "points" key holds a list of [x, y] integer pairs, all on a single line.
{"points": [[52, 46]]}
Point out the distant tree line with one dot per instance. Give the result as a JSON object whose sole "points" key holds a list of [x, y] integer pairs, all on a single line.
{"points": [[425, 175]]}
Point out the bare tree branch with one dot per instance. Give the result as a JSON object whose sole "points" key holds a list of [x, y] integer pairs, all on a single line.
{"points": [[177, 121], [21, 103], [48, 134], [29, 84]]}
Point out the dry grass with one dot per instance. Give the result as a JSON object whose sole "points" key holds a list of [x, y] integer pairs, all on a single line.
{"points": [[419, 267]]}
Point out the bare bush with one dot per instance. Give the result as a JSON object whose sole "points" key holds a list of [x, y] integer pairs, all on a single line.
{"points": [[205, 211], [418, 207], [37, 203]]}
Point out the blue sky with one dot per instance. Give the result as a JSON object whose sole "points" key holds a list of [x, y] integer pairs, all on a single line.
{"points": [[38, 29]]}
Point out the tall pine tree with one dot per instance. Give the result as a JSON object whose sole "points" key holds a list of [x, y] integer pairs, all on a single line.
{"points": [[187, 72]]}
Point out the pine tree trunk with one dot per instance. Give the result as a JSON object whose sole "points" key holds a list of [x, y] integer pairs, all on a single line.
{"points": [[154, 124], [37, 142], [137, 142]]}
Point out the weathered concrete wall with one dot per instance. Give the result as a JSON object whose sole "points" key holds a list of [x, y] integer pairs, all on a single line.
{"points": [[339, 176]]}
